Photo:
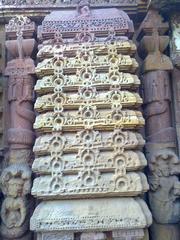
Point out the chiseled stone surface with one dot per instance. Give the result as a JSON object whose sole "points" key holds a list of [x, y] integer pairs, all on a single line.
{"points": [[91, 214], [163, 162], [88, 145], [16, 177]]}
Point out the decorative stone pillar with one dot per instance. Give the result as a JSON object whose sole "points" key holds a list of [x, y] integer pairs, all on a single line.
{"points": [[175, 56], [163, 162], [88, 154], [16, 177]]}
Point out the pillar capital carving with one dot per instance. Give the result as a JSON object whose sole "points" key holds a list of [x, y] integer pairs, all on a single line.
{"points": [[154, 43]]}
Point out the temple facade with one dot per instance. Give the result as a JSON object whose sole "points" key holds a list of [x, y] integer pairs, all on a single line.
{"points": [[90, 120]]}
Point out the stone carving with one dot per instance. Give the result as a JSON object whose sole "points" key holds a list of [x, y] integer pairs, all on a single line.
{"points": [[16, 184], [157, 99], [165, 186], [155, 44], [93, 236], [128, 235], [164, 165], [20, 89], [88, 145], [91, 214], [56, 236], [16, 177], [72, 23], [16, 180], [67, 3]]}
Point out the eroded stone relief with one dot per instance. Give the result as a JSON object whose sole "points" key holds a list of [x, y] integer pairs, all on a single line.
{"points": [[88, 145], [163, 162], [16, 177]]}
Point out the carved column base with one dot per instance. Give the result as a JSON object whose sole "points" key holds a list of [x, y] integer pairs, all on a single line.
{"points": [[128, 234], [165, 231], [93, 236]]}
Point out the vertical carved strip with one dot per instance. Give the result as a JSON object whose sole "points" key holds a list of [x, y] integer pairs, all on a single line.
{"points": [[175, 56], [88, 144], [16, 177], [164, 165]]}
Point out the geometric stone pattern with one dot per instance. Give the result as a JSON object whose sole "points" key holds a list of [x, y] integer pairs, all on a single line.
{"points": [[88, 145], [88, 112]]}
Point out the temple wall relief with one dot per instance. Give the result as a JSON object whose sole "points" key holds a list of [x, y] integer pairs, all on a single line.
{"points": [[163, 162], [88, 153], [16, 177]]}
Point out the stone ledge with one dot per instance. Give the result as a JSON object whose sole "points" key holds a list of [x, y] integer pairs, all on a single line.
{"points": [[91, 214]]}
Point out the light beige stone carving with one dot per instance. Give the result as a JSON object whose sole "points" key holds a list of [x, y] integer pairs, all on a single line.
{"points": [[123, 46], [129, 160], [16, 180], [89, 183], [88, 147], [71, 65], [97, 120], [87, 76], [91, 214], [116, 139], [15, 184], [97, 99]]}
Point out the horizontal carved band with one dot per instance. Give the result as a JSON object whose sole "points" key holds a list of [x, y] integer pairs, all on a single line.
{"points": [[89, 118], [85, 77], [116, 160], [71, 142], [89, 183], [96, 214], [65, 65], [123, 46], [100, 100]]}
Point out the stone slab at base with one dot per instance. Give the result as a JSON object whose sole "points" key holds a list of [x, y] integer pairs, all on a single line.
{"points": [[91, 215], [116, 235]]}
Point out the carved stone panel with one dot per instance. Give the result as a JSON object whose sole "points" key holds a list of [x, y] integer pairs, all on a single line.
{"points": [[88, 144]]}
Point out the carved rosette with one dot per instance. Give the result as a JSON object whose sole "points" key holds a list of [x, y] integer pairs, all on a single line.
{"points": [[164, 164], [16, 177], [88, 145]]}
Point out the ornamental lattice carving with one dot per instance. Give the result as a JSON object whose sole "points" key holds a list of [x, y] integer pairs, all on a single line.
{"points": [[88, 145]]}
